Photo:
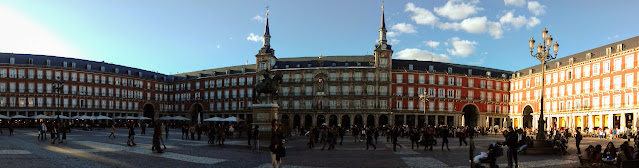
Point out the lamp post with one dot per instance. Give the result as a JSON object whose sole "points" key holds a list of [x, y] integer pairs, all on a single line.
{"points": [[543, 55], [197, 108], [58, 86], [424, 99]]}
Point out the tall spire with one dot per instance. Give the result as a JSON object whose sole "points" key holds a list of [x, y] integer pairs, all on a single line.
{"points": [[382, 29], [267, 33]]}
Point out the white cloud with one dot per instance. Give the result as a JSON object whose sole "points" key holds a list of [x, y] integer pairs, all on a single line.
{"points": [[456, 10], [613, 37], [519, 3], [392, 34], [432, 44], [404, 28], [519, 21], [27, 36], [393, 41], [423, 55], [218, 46], [495, 30], [462, 48], [536, 8], [476, 25], [253, 37], [259, 18], [421, 15], [532, 22]]}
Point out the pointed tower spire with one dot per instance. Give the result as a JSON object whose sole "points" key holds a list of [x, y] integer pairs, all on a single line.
{"points": [[382, 29], [267, 33]]}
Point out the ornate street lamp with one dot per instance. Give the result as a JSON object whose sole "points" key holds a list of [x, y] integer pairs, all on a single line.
{"points": [[58, 86], [424, 98], [543, 55]]}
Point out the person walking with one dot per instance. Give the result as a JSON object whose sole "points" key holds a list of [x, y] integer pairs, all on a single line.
{"points": [[369, 138], [414, 138], [212, 135], [54, 132], [131, 141], [395, 133], [578, 138], [39, 131], [64, 133], [341, 134], [277, 145], [250, 135], [166, 130], [112, 131], [192, 130], [512, 143], [199, 131], [256, 139], [57, 133], [157, 137], [143, 129], [44, 131], [444, 134], [462, 136]]}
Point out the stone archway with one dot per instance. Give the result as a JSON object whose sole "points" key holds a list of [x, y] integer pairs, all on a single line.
{"points": [[196, 112], [297, 120], [471, 113], [383, 120], [308, 120], [346, 121], [527, 117], [149, 111], [370, 120], [358, 121], [320, 120], [332, 120]]}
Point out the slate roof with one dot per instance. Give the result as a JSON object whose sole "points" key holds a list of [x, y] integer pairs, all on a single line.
{"points": [[80, 64], [326, 61], [629, 43], [218, 71], [403, 65]]}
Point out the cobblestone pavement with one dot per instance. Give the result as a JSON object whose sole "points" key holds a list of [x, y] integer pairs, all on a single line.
{"points": [[94, 149]]}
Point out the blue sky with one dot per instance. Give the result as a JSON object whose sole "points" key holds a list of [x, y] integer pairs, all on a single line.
{"points": [[172, 36]]}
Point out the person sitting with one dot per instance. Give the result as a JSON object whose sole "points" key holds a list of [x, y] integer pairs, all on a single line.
{"points": [[610, 152], [595, 156], [584, 158], [624, 153]]}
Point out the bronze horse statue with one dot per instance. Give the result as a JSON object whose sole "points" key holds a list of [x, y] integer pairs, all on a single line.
{"points": [[268, 86]]}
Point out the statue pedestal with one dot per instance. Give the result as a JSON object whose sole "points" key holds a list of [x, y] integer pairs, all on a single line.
{"points": [[263, 115]]}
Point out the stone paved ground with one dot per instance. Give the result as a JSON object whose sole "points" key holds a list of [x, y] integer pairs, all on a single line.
{"points": [[94, 149]]}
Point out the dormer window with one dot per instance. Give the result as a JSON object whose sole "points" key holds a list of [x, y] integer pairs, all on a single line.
{"points": [[608, 50], [286, 66], [117, 70], [140, 74], [128, 72], [530, 71], [102, 68], [488, 73], [155, 77], [48, 62], [518, 74], [359, 64], [88, 66], [619, 47], [558, 64], [30, 61], [298, 65], [228, 71], [12, 60], [244, 70], [410, 67], [346, 64], [64, 64], [588, 56], [333, 64], [470, 72], [309, 65], [73, 65], [450, 70], [431, 68]]}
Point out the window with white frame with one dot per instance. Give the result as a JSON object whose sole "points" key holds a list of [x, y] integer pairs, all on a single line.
{"points": [[630, 61], [617, 64], [629, 80], [411, 78], [422, 79]]}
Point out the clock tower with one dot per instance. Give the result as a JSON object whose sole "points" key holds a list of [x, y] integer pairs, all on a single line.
{"points": [[265, 58]]}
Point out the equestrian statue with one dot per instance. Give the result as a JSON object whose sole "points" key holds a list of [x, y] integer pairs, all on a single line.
{"points": [[269, 86]]}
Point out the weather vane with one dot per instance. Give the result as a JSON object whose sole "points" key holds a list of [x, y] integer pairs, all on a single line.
{"points": [[267, 9]]}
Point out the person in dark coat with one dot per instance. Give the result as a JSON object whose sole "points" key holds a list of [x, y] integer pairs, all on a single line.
{"points": [[369, 138], [277, 144], [130, 142], [157, 136], [444, 134], [513, 145]]}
